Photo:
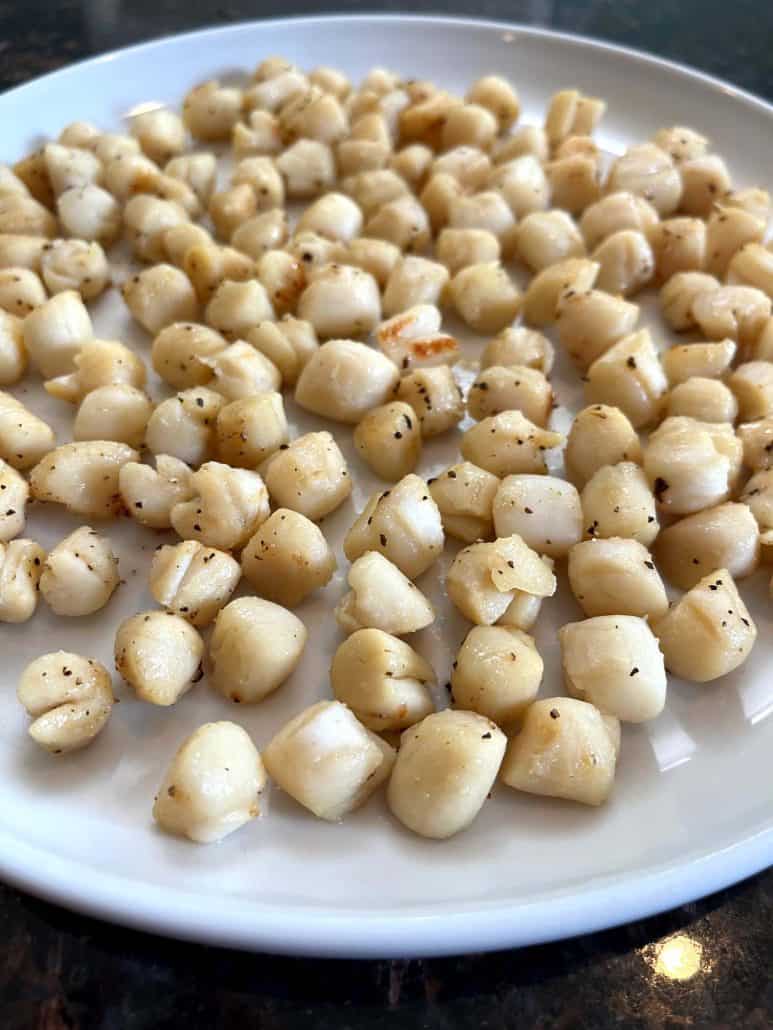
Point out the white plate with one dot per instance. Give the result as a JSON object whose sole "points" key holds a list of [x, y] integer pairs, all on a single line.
{"points": [[692, 808]]}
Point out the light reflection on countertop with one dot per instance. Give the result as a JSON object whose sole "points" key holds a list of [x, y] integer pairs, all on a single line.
{"points": [[678, 957]]}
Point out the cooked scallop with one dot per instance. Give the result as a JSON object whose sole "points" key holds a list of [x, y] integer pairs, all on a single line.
{"points": [[389, 439], [213, 784], [251, 429], [184, 426], [402, 221], [629, 376], [649, 172], [681, 142], [378, 257], [600, 435], [382, 680], [236, 307], [707, 400], [414, 280], [545, 237], [485, 297], [698, 360], [308, 168], [382, 597], [487, 210], [14, 494], [21, 291], [69, 697], [497, 673], [24, 438], [708, 632], [724, 537], [226, 508], [728, 230], [21, 566], [328, 761], [615, 213], [160, 295], [705, 178], [509, 443], [85, 212], [119, 412], [13, 353], [435, 396], [614, 662], [627, 262], [566, 749], [758, 495], [460, 248], [55, 331], [518, 345], [412, 339], [192, 580], [523, 183], [591, 322], [464, 494], [254, 647], [679, 294], [309, 475], [98, 363], [288, 344], [692, 465], [149, 494], [756, 440], [266, 231], [288, 558], [752, 384], [208, 266], [80, 574], [211, 110], [445, 769], [616, 576], [177, 352], [565, 279], [501, 388], [484, 578], [735, 312], [343, 380], [83, 477], [544, 511], [528, 139], [679, 245], [159, 655], [240, 370], [752, 265], [575, 177], [617, 502], [403, 523]]}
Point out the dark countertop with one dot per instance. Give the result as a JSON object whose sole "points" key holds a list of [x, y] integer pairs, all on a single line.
{"points": [[59, 971]]}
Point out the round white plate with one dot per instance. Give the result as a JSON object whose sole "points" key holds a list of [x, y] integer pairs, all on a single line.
{"points": [[692, 809]]}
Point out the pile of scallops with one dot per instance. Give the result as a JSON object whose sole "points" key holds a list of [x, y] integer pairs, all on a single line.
{"points": [[297, 237]]}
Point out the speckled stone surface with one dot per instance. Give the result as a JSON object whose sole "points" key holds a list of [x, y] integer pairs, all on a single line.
{"points": [[706, 965]]}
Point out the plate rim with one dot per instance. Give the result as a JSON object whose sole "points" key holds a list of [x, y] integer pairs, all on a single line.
{"points": [[378, 934], [480, 925], [643, 56]]}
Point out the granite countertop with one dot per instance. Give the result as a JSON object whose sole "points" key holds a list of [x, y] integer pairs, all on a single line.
{"points": [[704, 965]]}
